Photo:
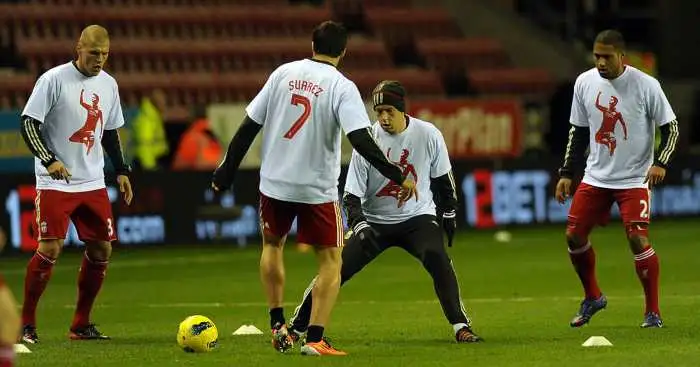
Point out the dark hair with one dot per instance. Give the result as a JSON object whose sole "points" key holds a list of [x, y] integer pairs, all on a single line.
{"points": [[330, 38], [611, 37]]}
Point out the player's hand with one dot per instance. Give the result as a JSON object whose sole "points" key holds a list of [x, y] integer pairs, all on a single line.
{"points": [[219, 181], [58, 171], [408, 190], [365, 232], [563, 190], [655, 175], [125, 188], [449, 225]]}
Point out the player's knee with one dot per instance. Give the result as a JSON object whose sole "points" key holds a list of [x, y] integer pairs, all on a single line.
{"points": [[637, 230], [51, 248], [637, 237], [328, 277], [576, 234], [99, 250], [435, 259], [637, 243], [330, 260], [270, 239], [575, 240]]}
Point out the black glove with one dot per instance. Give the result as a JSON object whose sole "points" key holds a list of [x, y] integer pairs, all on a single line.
{"points": [[365, 232], [449, 225]]}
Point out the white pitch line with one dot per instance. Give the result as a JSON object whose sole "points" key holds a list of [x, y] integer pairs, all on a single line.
{"points": [[374, 302]]}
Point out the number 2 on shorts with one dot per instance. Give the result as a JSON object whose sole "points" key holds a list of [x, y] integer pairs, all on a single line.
{"points": [[645, 209], [299, 100]]}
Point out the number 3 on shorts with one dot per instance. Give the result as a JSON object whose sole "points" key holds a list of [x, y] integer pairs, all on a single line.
{"points": [[110, 227], [296, 126], [644, 213]]}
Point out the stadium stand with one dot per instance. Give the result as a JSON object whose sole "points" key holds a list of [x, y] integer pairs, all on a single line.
{"points": [[207, 51]]}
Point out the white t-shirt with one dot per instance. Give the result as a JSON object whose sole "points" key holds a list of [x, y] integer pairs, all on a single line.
{"points": [[303, 106], [622, 115], [74, 110], [421, 152]]}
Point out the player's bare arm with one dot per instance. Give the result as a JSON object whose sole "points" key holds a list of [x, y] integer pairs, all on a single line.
{"points": [[445, 197], [113, 147], [573, 158], [237, 149], [669, 138], [364, 144], [31, 133]]}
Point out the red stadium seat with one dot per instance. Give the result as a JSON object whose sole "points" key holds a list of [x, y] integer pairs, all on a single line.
{"points": [[375, 5], [461, 53], [418, 83], [154, 21], [188, 88], [15, 89], [398, 23], [512, 81], [209, 51], [159, 2], [220, 55]]}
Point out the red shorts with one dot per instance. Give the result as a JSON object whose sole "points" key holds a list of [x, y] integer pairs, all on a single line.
{"points": [[591, 207], [90, 212], [317, 224]]}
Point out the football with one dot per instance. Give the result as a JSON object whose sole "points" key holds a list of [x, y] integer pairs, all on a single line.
{"points": [[197, 334]]}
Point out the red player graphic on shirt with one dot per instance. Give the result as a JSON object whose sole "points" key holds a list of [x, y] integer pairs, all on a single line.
{"points": [[393, 189], [86, 134], [606, 134]]}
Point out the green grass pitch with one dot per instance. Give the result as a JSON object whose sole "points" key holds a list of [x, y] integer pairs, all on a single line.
{"points": [[521, 296]]}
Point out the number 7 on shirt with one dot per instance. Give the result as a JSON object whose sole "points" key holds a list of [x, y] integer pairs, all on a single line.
{"points": [[299, 100]]}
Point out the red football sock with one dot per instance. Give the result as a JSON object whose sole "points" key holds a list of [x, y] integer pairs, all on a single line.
{"points": [[647, 265], [92, 274], [583, 260], [7, 355], [37, 277]]}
